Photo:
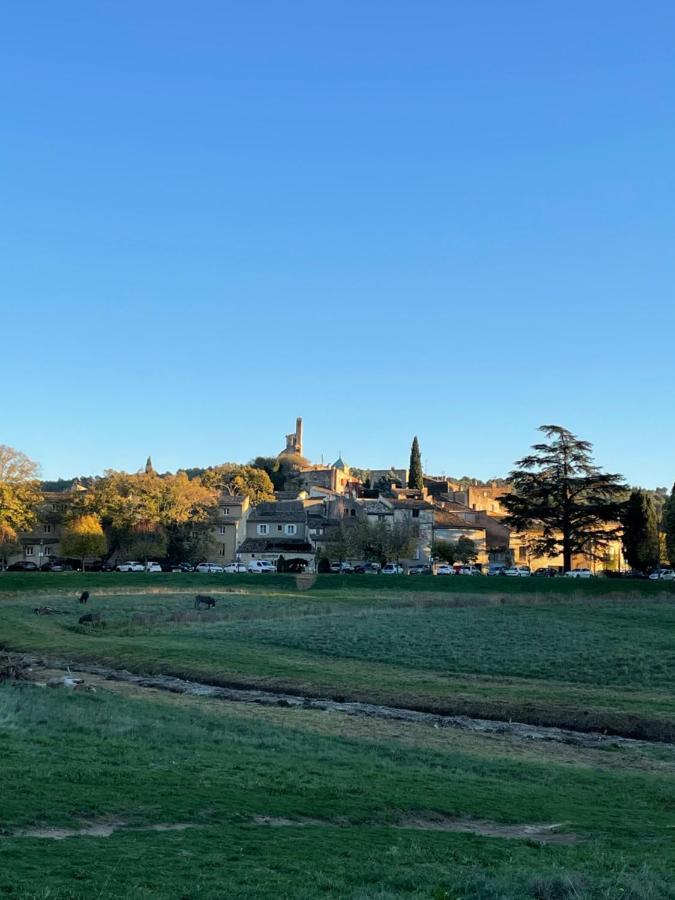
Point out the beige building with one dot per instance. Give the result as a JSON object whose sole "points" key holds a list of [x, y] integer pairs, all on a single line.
{"points": [[43, 542], [229, 529], [277, 529]]}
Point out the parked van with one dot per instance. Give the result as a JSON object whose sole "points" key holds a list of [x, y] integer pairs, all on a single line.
{"points": [[261, 565]]}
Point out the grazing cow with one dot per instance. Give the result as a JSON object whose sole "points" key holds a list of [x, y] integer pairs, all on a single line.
{"points": [[90, 619], [46, 611], [84, 596], [203, 600]]}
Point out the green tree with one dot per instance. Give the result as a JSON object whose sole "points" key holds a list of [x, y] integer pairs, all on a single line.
{"points": [[415, 471], [463, 550], [233, 478], [669, 526], [83, 538], [20, 496], [146, 543], [640, 539], [272, 466], [445, 550], [559, 493], [466, 550]]}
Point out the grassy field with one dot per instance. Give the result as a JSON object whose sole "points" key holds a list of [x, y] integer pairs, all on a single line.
{"points": [[212, 799], [575, 659], [203, 798]]}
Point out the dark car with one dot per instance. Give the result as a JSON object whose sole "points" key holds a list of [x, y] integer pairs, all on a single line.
{"points": [[56, 565], [419, 570], [546, 572], [24, 565]]}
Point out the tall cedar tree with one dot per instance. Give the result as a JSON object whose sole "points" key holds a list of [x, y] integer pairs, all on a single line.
{"points": [[560, 494], [669, 526], [641, 532], [415, 472]]}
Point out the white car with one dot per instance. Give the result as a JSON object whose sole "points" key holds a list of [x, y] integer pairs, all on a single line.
{"points": [[518, 571], [235, 568], [663, 575], [579, 573], [130, 567], [209, 568], [470, 570], [392, 569], [261, 566], [153, 567], [444, 570]]}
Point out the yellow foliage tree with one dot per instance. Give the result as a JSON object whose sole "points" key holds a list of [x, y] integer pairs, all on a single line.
{"points": [[84, 538], [19, 495]]}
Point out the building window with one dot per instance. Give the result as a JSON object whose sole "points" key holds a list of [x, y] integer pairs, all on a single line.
{"points": [[221, 530], [263, 529], [29, 551], [221, 550], [279, 527], [291, 529], [415, 513], [353, 512], [226, 511], [522, 552], [47, 529], [54, 507]]}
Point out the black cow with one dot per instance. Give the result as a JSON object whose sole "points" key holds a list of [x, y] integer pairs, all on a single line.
{"points": [[90, 619], [84, 596], [203, 600]]}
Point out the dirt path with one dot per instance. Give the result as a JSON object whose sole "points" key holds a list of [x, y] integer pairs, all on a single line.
{"points": [[41, 668]]}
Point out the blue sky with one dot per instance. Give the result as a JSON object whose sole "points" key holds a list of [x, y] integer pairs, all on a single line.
{"points": [[442, 218]]}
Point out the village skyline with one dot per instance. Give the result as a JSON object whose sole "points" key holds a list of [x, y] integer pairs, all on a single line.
{"points": [[458, 474]]}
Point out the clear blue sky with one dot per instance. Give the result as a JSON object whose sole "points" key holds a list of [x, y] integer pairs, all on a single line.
{"points": [[445, 218]]}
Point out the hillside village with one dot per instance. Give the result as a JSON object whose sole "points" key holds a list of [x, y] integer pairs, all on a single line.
{"points": [[315, 509]]}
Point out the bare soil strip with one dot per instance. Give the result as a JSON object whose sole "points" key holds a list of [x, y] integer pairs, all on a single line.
{"points": [[542, 834], [175, 685], [96, 829]]}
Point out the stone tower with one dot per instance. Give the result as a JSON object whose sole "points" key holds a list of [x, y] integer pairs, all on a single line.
{"points": [[294, 440]]}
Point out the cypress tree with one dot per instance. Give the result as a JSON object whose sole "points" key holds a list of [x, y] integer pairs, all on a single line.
{"points": [[415, 472], [669, 526], [641, 532]]}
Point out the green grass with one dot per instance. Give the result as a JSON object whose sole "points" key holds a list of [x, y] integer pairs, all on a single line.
{"points": [[336, 584], [574, 656], [70, 758], [581, 662]]}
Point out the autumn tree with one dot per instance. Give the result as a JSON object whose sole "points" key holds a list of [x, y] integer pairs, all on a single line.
{"points": [[560, 495], [232, 478], [142, 511], [415, 471], [20, 496], [83, 538]]}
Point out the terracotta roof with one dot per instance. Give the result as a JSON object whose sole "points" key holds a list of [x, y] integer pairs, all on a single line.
{"points": [[411, 504], [443, 518]]}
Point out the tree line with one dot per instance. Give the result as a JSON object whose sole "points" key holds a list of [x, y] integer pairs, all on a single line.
{"points": [[556, 494], [142, 514]]}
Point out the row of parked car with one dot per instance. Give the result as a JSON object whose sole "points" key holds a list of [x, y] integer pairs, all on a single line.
{"points": [[256, 566]]}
